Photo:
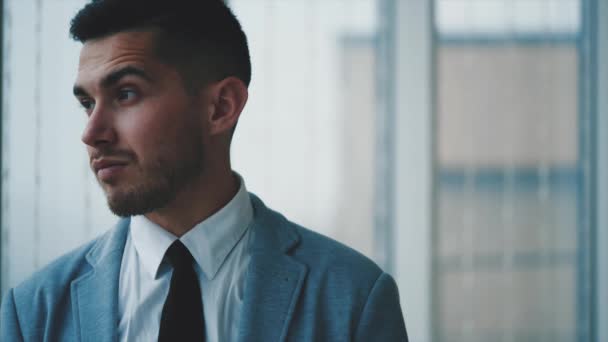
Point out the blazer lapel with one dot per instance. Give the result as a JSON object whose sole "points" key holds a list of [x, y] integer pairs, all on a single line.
{"points": [[274, 279], [95, 294]]}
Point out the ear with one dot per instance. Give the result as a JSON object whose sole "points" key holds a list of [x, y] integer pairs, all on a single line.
{"points": [[229, 98]]}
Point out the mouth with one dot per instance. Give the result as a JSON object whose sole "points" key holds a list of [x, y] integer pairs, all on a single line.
{"points": [[106, 169]]}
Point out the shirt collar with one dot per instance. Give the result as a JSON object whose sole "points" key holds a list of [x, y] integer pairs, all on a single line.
{"points": [[209, 242]]}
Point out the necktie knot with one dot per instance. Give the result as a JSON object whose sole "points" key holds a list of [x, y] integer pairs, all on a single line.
{"points": [[178, 255]]}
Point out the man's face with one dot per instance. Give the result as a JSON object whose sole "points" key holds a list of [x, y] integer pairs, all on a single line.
{"points": [[144, 133]]}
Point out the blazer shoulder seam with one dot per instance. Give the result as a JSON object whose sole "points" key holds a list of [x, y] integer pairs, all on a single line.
{"points": [[14, 302], [367, 300]]}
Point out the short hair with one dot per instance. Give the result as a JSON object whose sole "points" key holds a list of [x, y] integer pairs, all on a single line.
{"points": [[202, 39]]}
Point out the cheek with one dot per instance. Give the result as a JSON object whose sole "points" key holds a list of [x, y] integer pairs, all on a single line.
{"points": [[150, 132]]}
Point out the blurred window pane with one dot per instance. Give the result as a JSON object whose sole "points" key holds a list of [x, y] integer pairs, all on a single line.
{"points": [[513, 105], [507, 16], [510, 244]]}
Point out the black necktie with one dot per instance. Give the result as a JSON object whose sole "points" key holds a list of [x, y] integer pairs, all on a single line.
{"points": [[182, 318]]}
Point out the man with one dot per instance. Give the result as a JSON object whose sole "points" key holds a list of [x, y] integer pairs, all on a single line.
{"points": [[195, 257]]}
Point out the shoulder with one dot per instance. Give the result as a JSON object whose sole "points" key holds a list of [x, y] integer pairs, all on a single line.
{"points": [[53, 280], [321, 254], [345, 287], [57, 275], [42, 304], [43, 294], [326, 254], [349, 289]]}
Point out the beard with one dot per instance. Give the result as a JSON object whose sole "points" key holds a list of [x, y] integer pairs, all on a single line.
{"points": [[174, 167]]}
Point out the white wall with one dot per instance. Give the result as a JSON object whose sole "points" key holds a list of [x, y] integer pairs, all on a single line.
{"points": [[51, 201], [289, 141]]}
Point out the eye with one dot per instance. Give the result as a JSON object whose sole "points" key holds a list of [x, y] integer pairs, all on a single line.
{"points": [[126, 95], [87, 104]]}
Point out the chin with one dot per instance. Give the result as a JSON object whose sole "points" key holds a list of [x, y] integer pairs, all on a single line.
{"points": [[133, 201]]}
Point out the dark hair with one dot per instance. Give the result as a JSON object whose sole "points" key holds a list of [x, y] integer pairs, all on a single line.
{"points": [[201, 38]]}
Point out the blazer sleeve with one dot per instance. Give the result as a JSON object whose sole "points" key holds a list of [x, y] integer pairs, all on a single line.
{"points": [[10, 330], [382, 319]]}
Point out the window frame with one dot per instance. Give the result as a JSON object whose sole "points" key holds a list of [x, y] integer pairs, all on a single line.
{"points": [[592, 261], [2, 199], [601, 309], [413, 155]]}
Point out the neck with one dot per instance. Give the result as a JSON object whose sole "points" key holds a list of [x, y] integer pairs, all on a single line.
{"points": [[196, 202]]}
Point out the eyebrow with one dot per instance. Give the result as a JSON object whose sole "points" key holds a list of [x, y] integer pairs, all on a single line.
{"points": [[114, 77]]}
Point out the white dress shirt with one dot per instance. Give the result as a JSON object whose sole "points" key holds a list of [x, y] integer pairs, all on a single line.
{"points": [[219, 247]]}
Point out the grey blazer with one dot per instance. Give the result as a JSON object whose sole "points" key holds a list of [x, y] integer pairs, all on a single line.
{"points": [[301, 286]]}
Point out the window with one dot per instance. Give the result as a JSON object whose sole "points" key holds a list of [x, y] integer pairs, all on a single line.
{"points": [[512, 252]]}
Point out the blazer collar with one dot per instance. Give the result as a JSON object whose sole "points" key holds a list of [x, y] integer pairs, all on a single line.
{"points": [[274, 279], [95, 294], [272, 286]]}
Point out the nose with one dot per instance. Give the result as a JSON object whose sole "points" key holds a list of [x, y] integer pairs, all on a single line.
{"points": [[99, 129]]}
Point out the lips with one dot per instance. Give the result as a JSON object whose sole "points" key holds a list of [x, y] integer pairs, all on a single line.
{"points": [[108, 168]]}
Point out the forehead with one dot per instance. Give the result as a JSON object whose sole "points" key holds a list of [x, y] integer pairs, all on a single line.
{"points": [[101, 55]]}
